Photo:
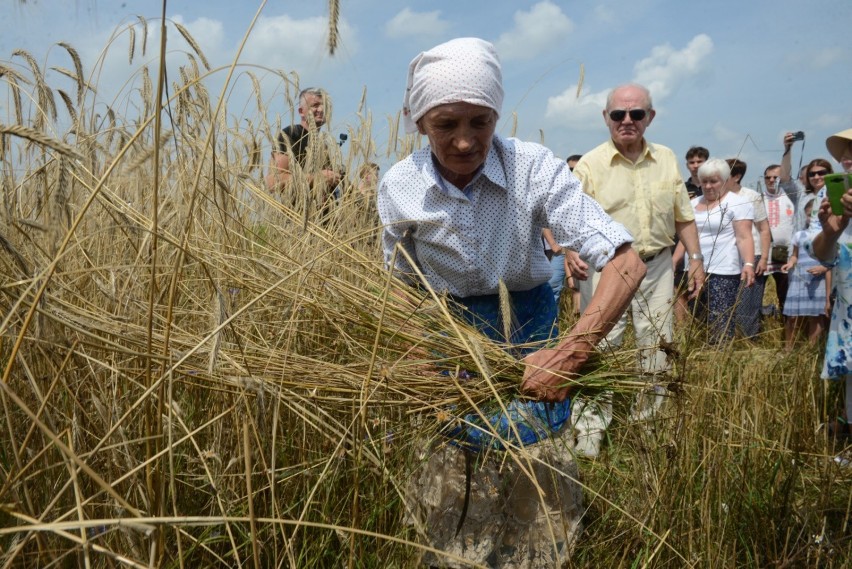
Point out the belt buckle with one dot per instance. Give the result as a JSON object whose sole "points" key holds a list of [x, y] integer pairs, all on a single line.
{"points": [[649, 257]]}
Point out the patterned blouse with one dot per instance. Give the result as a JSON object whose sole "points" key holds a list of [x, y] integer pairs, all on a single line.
{"points": [[465, 240]]}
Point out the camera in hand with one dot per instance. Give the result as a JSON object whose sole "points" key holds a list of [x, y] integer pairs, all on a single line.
{"points": [[798, 135]]}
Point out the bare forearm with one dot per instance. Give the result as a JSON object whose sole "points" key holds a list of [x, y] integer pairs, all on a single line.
{"points": [[825, 245], [279, 172], [745, 246], [687, 233], [765, 237], [618, 284], [547, 369], [786, 166], [551, 241]]}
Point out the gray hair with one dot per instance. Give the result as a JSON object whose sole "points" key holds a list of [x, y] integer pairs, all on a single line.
{"points": [[316, 91], [714, 167]]}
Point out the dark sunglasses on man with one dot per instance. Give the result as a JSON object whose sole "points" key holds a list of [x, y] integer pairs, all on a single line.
{"points": [[618, 115]]}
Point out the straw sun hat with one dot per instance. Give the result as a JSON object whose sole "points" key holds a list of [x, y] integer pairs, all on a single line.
{"points": [[837, 143]]}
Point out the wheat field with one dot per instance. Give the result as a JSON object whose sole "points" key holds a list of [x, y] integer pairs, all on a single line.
{"points": [[198, 373]]}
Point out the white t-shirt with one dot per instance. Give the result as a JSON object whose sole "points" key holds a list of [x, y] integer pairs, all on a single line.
{"points": [[716, 234], [759, 215]]}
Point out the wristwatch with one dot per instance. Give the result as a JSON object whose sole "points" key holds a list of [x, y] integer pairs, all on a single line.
{"points": [[696, 257]]}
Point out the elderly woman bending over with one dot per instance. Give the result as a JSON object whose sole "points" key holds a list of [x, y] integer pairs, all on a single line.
{"points": [[724, 221], [469, 210]]}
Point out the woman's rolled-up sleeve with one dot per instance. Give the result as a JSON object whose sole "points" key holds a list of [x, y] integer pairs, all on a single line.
{"points": [[578, 221]]}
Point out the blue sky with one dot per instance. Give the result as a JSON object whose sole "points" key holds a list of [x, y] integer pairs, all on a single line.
{"points": [[731, 76]]}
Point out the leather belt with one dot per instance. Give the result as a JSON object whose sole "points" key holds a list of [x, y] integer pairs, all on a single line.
{"points": [[651, 256]]}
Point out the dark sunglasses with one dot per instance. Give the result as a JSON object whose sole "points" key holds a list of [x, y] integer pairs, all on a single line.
{"points": [[635, 114], [819, 173], [770, 177]]}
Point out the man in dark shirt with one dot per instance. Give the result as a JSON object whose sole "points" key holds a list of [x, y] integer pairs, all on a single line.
{"points": [[695, 157], [306, 146]]}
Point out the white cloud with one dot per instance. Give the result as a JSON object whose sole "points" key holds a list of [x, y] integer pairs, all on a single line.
{"points": [[536, 31], [583, 112], [605, 14], [283, 42], [408, 24], [828, 56], [830, 121], [208, 34], [809, 59], [725, 134], [114, 75], [661, 72], [666, 67]]}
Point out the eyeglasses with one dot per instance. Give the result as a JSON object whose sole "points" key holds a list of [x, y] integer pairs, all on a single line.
{"points": [[820, 173], [635, 114], [767, 178]]}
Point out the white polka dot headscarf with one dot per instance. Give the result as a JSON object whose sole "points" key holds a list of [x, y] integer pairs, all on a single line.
{"points": [[463, 70]]}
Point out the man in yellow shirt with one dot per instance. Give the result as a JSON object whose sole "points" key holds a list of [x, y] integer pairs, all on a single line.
{"points": [[638, 183]]}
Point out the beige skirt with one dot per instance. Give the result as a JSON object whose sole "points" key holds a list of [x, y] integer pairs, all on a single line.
{"points": [[513, 520]]}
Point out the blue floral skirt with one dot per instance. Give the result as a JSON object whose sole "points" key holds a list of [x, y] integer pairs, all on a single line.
{"points": [[838, 348]]}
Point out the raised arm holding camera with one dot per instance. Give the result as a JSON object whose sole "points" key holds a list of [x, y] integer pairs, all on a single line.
{"points": [[796, 189]]}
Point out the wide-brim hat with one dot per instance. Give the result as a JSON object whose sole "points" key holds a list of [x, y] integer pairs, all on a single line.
{"points": [[837, 143]]}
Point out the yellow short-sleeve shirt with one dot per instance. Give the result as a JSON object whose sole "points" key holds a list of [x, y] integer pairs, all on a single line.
{"points": [[647, 196]]}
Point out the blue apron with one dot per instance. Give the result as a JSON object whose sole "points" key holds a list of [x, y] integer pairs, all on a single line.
{"points": [[535, 311]]}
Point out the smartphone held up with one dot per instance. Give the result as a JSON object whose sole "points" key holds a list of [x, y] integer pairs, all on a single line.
{"points": [[836, 185]]}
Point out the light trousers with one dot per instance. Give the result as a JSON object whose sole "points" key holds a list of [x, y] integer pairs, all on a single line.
{"points": [[651, 313]]}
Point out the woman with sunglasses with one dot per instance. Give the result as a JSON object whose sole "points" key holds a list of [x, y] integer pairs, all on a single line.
{"points": [[815, 173]]}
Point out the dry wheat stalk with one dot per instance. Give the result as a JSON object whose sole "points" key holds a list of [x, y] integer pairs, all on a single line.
{"points": [[44, 95], [79, 81], [333, 25], [16, 100], [193, 44], [41, 139], [69, 106], [131, 44], [15, 79], [144, 23], [78, 68]]}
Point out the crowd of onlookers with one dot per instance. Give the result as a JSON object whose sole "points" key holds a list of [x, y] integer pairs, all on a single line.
{"points": [[787, 231], [747, 238]]}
